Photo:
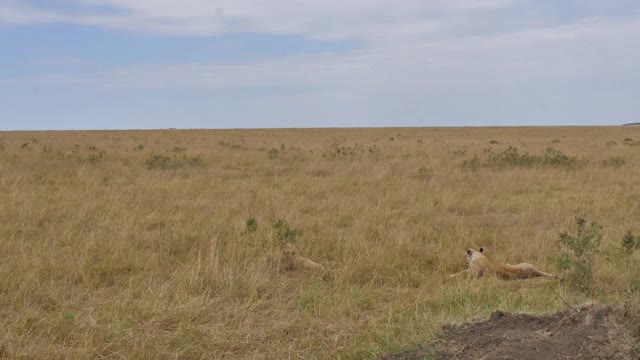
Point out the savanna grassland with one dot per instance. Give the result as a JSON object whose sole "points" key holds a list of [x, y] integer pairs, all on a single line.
{"points": [[160, 244]]}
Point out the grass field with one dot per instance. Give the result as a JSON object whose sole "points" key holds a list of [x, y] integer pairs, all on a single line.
{"points": [[136, 244]]}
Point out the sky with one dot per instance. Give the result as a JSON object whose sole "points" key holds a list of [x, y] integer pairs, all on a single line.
{"points": [[148, 64]]}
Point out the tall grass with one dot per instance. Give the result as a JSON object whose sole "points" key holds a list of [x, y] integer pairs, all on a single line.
{"points": [[159, 244]]}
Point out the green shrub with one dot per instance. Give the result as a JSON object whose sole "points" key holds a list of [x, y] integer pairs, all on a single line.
{"points": [[252, 225], [423, 174], [579, 254], [273, 153], [553, 157], [616, 162], [159, 162], [471, 164], [630, 242], [511, 158], [283, 232]]}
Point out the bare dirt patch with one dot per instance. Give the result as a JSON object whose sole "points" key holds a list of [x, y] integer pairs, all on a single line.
{"points": [[590, 332]]}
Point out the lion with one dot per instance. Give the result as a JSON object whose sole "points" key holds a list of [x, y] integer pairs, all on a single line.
{"points": [[291, 259], [479, 264]]}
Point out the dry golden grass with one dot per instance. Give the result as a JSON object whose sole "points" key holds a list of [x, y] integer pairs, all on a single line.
{"points": [[111, 250]]}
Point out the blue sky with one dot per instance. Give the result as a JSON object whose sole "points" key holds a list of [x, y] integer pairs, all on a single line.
{"points": [[137, 64]]}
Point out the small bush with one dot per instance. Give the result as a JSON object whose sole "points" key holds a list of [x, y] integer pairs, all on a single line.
{"points": [[177, 149], [471, 164], [630, 142], [423, 174], [273, 153], [138, 147], [616, 162], [494, 142], [555, 157], [159, 162], [579, 253], [630, 242], [555, 141], [511, 158], [344, 151], [283, 233], [231, 145], [193, 161], [252, 225], [93, 157]]}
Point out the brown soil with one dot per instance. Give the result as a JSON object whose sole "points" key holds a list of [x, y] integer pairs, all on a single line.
{"points": [[590, 332]]}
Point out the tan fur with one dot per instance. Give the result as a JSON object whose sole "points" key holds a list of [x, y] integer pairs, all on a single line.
{"points": [[292, 259], [479, 264]]}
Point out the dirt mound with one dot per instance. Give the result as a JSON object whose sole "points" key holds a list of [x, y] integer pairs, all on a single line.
{"points": [[589, 332]]}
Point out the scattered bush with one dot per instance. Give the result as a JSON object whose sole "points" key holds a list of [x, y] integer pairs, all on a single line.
{"points": [[579, 253], [512, 158], [423, 174], [230, 145], [138, 147], [630, 242], [283, 233], [553, 157], [177, 149], [344, 151], [273, 153], [630, 142], [252, 225], [471, 164], [158, 162], [494, 142], [616, 162], [161, 162]]}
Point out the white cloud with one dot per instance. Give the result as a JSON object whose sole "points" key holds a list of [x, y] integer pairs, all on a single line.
{"points": [[12, 12], [312, 18]]}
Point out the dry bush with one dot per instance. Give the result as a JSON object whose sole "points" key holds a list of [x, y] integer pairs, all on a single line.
{"points": [[137, 244]]}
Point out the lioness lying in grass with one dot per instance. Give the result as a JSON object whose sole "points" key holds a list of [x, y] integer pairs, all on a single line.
{"points": [[479, 264]]}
